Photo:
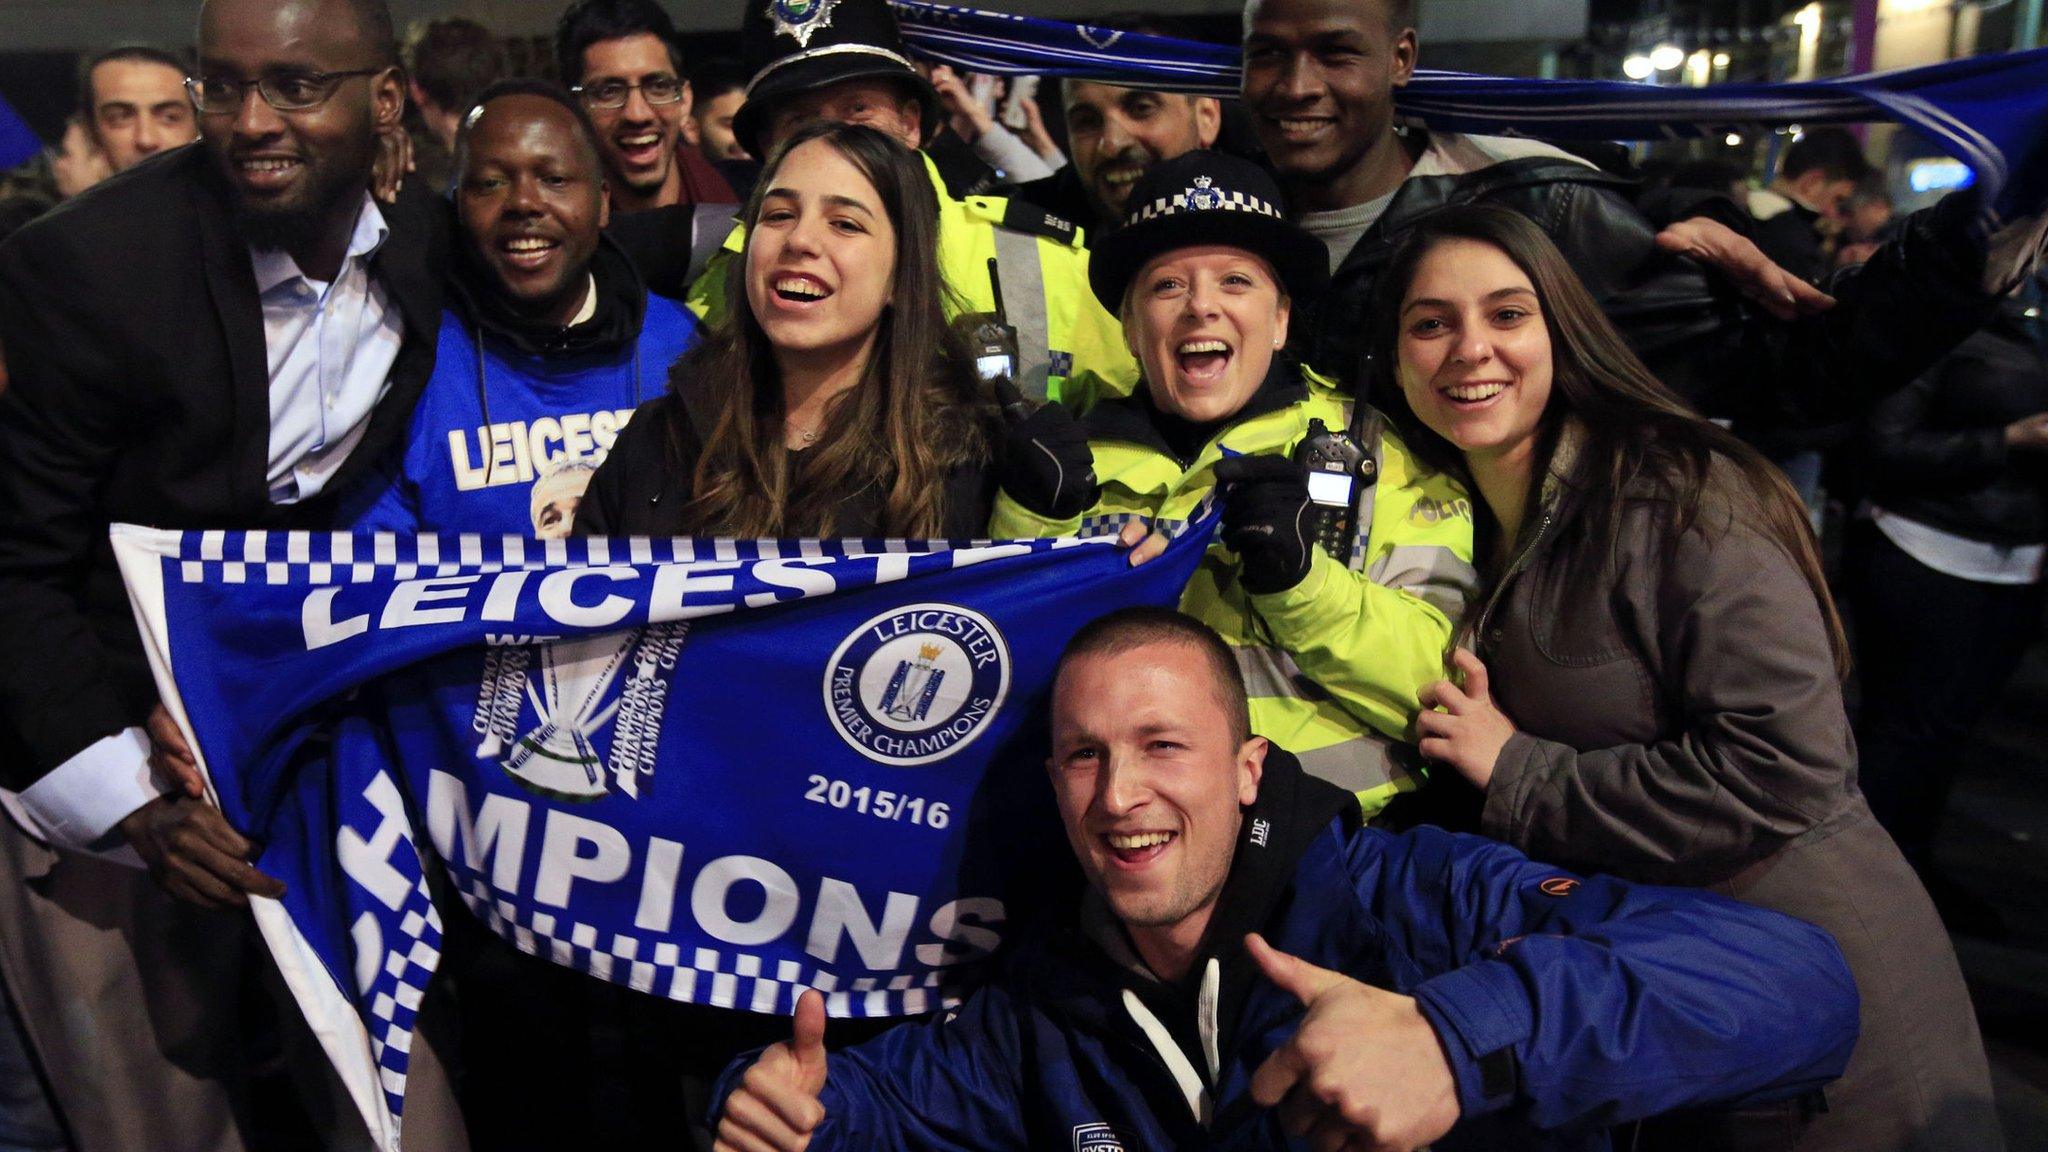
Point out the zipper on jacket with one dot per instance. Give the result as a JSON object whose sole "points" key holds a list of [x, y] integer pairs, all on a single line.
{"points": [[1514, 569]]}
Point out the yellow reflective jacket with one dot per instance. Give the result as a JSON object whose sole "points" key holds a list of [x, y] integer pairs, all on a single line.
{"points": [[1069, 348], [1333, 665]]}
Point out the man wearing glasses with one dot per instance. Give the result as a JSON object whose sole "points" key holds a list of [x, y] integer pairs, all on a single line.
{"points": [[624, 61], [217, 340]]}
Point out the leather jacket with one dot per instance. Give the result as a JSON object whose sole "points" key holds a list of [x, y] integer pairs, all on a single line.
{"points": [[1895, 315], [1937, 447]]}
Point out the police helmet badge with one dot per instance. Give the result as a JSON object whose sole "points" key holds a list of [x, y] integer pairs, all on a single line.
{"points": [[1202, 197], [799, 19], [917, 684]]}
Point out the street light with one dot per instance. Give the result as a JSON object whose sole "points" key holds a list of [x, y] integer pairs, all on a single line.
{"points": [[1665, 57], [1637, 67], [1733, 139], [1720, 59]]}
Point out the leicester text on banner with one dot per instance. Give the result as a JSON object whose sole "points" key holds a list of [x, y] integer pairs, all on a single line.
{"points": [[716, 771]]}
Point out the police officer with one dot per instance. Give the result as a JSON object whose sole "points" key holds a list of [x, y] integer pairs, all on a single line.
{"points": [[844, 60], [1337, 594]]}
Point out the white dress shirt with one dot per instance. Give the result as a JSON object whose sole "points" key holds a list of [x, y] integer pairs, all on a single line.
{"points": [[330, 349], [331, 346]]}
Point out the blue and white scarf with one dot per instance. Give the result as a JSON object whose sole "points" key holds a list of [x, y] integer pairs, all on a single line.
{"points": [[720, 772]]}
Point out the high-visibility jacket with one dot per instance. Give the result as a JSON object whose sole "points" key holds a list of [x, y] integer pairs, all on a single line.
{"points": [[1334, 664], [1068, 347]]}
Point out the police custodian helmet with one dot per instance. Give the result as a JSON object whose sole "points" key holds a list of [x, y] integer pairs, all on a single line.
{"points": [[795, 46], [1200, 198]]}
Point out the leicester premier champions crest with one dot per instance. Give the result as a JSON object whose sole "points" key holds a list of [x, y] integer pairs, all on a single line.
{"points": [[917, 684], [574, 692]]}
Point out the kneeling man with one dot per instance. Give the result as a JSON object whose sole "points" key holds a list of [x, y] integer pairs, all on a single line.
{"points": [[1249, 964]]}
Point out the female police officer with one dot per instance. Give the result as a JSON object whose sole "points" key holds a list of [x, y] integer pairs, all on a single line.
{"points": [[1337, 585]]}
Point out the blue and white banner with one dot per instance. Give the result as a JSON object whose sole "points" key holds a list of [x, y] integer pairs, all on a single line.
{"points": [[1990, 112], [720, 772]]}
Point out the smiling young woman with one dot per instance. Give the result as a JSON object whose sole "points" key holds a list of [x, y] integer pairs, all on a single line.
{"points": [[1660, 695], [838, 401]]}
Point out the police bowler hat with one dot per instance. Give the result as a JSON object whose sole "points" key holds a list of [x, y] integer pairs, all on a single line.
{"points": [[794, 46], [1206, 197]]}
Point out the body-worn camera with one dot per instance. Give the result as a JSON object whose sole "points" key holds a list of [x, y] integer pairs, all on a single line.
{"points": [[1336, 464]]}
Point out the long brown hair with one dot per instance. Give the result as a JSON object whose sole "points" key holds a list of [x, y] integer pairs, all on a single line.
{"points": [[1635, 428], [912, 417]]}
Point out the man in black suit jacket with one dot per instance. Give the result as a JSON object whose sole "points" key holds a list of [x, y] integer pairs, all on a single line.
{"points": [[141, 387], [217, 338]]}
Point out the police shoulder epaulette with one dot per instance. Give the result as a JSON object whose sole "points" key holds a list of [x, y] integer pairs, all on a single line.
{"points": [[1020, 216]]}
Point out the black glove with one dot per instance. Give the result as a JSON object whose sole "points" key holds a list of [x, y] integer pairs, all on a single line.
{"points": [[1044, 461], [1266, 521]]}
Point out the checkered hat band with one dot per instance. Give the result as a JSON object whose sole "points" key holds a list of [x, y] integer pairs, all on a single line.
{"points": [[1224, 202]]}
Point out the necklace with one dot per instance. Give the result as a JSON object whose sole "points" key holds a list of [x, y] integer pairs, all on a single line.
{"points": [[808, 435]]}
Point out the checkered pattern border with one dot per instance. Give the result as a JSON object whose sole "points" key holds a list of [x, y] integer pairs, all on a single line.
{"points": [[1111, 523], [393, 999], [1232, 201], [287, 558], [721, 979]]}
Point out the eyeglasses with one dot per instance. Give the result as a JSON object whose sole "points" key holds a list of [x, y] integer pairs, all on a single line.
{"points": [[284, 91], [614, 93]]}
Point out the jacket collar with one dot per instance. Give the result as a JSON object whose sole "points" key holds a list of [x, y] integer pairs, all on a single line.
{"points": [[1453, 168], [231, 284], [1135, 419], [274, 267]]}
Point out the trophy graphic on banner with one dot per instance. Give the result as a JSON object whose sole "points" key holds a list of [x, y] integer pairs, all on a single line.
{"points": [[913, 686], [557, 756]]}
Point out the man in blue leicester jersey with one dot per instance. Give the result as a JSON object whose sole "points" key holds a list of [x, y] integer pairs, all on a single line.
{"points": [[549, 342]]}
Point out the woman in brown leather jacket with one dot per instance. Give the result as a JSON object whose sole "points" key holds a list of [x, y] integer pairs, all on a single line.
{"points": [[1657, 686]]}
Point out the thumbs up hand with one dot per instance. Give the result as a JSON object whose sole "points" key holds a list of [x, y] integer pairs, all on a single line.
{"points": [[776, 1105], [1364, 1070]]}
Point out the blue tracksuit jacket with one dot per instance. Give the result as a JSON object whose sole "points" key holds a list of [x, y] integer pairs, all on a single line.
{"points": [[1565, 1005]]}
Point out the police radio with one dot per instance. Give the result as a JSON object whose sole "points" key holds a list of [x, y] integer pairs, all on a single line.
{"points": [[994, 345], [1336, 465]]}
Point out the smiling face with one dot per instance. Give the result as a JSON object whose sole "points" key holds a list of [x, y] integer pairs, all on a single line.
{"points": [[1204, 323], [1151, 783], [289, 170], [639, 139], [821, 257], [139, 108], [1319, 80], [1474, 351], [532, 203], [1116, 133]]}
